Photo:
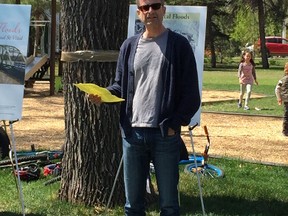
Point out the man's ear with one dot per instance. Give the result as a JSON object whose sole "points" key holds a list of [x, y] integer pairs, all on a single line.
{"points": [[138, 12], [164, 10]]}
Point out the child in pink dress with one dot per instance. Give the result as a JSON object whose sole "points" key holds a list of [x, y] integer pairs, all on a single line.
{"points": [[247, 77]]}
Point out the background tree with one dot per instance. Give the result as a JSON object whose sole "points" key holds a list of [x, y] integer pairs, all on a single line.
{"points": [[277, 12], [93, 146], [219, 23], [258, 7], [216, 31], [261, 18], [215, 11], [245, 28]]}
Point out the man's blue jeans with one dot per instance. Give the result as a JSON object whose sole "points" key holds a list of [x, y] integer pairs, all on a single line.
{"points": [[144, 145]]}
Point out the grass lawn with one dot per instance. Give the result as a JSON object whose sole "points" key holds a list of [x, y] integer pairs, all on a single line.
{"points": [[225, 78], [246, 189]]}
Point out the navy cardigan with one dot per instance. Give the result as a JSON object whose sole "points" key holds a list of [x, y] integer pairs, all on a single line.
{"points": [[181, 98]]}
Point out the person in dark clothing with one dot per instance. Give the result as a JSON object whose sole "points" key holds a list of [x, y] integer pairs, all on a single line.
{"points": [[157, 76], [281, 91]]}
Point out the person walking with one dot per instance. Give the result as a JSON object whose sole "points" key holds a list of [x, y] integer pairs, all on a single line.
{"points": [[281, 92], [157, 76], [247, 77]]}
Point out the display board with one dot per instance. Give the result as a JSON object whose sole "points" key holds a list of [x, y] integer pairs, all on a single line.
{"points": [[14, 35], [189, 21]]}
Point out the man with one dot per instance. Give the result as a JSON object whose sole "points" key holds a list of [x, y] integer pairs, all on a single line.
{"points": [[157, 76]]}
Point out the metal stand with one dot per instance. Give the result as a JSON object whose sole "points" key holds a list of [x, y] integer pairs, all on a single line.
{"points": [[196, 166], [18, 182], [113, 187]]}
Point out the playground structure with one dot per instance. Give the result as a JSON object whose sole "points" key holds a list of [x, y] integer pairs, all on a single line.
{"points": [[42, 59], [38, 64]]}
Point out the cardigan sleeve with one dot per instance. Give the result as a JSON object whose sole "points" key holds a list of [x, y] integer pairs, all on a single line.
{"points": [[187, 96]]}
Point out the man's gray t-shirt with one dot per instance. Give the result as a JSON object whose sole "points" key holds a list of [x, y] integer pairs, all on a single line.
{"points": [[149, 59]]}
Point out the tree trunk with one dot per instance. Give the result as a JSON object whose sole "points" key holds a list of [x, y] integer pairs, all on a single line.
{"points": [[261, 17], [37, 38], [213, 54], [92, 146], [210, 37]]}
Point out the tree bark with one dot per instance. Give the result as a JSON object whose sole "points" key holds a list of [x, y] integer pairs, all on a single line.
{"points": [[92, 149], [261, 17], [210, 37]]}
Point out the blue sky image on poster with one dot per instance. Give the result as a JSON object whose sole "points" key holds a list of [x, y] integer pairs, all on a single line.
{"points": [[189, 21]]}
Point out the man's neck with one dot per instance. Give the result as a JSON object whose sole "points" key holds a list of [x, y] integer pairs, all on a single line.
{"points": [[153, 32]]}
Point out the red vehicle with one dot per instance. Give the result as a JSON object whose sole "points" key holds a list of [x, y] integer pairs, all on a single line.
{"points": [[276, 46]]}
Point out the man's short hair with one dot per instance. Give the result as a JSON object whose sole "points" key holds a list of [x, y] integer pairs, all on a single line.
{"points": [[138, 3]]}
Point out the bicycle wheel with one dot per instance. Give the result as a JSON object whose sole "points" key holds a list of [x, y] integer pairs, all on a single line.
{"points": [[4, 144], [206, 170], [199, 159], [28, 158], [51, 181]]}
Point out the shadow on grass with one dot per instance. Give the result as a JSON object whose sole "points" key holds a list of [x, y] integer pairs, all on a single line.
{"points": [[218, 205]]}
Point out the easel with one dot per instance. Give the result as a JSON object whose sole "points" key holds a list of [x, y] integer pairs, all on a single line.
{"points": [[190, 128], [12, 86], [13, 156]]}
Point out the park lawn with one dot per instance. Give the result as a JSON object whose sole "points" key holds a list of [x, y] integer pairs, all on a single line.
{"points": [[225, 79], [246, 189]]}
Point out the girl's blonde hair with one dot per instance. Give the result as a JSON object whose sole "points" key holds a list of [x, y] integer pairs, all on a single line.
{"points": [[286, 68]]}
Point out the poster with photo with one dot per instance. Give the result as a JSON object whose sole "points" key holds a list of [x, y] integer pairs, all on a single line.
{"points": [[189, 21], [14, 36]]}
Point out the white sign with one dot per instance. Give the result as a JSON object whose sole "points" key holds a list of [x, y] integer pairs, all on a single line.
{"points": [[189, 21], [14, 36]]}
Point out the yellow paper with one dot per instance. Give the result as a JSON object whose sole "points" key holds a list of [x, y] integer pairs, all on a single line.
{"points": [[106, 96]]}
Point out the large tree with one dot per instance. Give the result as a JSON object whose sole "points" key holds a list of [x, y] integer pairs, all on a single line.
{"points": [[92, 149], [261, 17], [215, 12], [277, 10], [256, 6]]}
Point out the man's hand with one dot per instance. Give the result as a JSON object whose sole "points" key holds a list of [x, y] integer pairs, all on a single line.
{"points": [[280, 102], [96, 99], [171, 132]]}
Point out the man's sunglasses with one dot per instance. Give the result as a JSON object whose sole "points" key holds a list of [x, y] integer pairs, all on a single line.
{"points": [[155, 6]]}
